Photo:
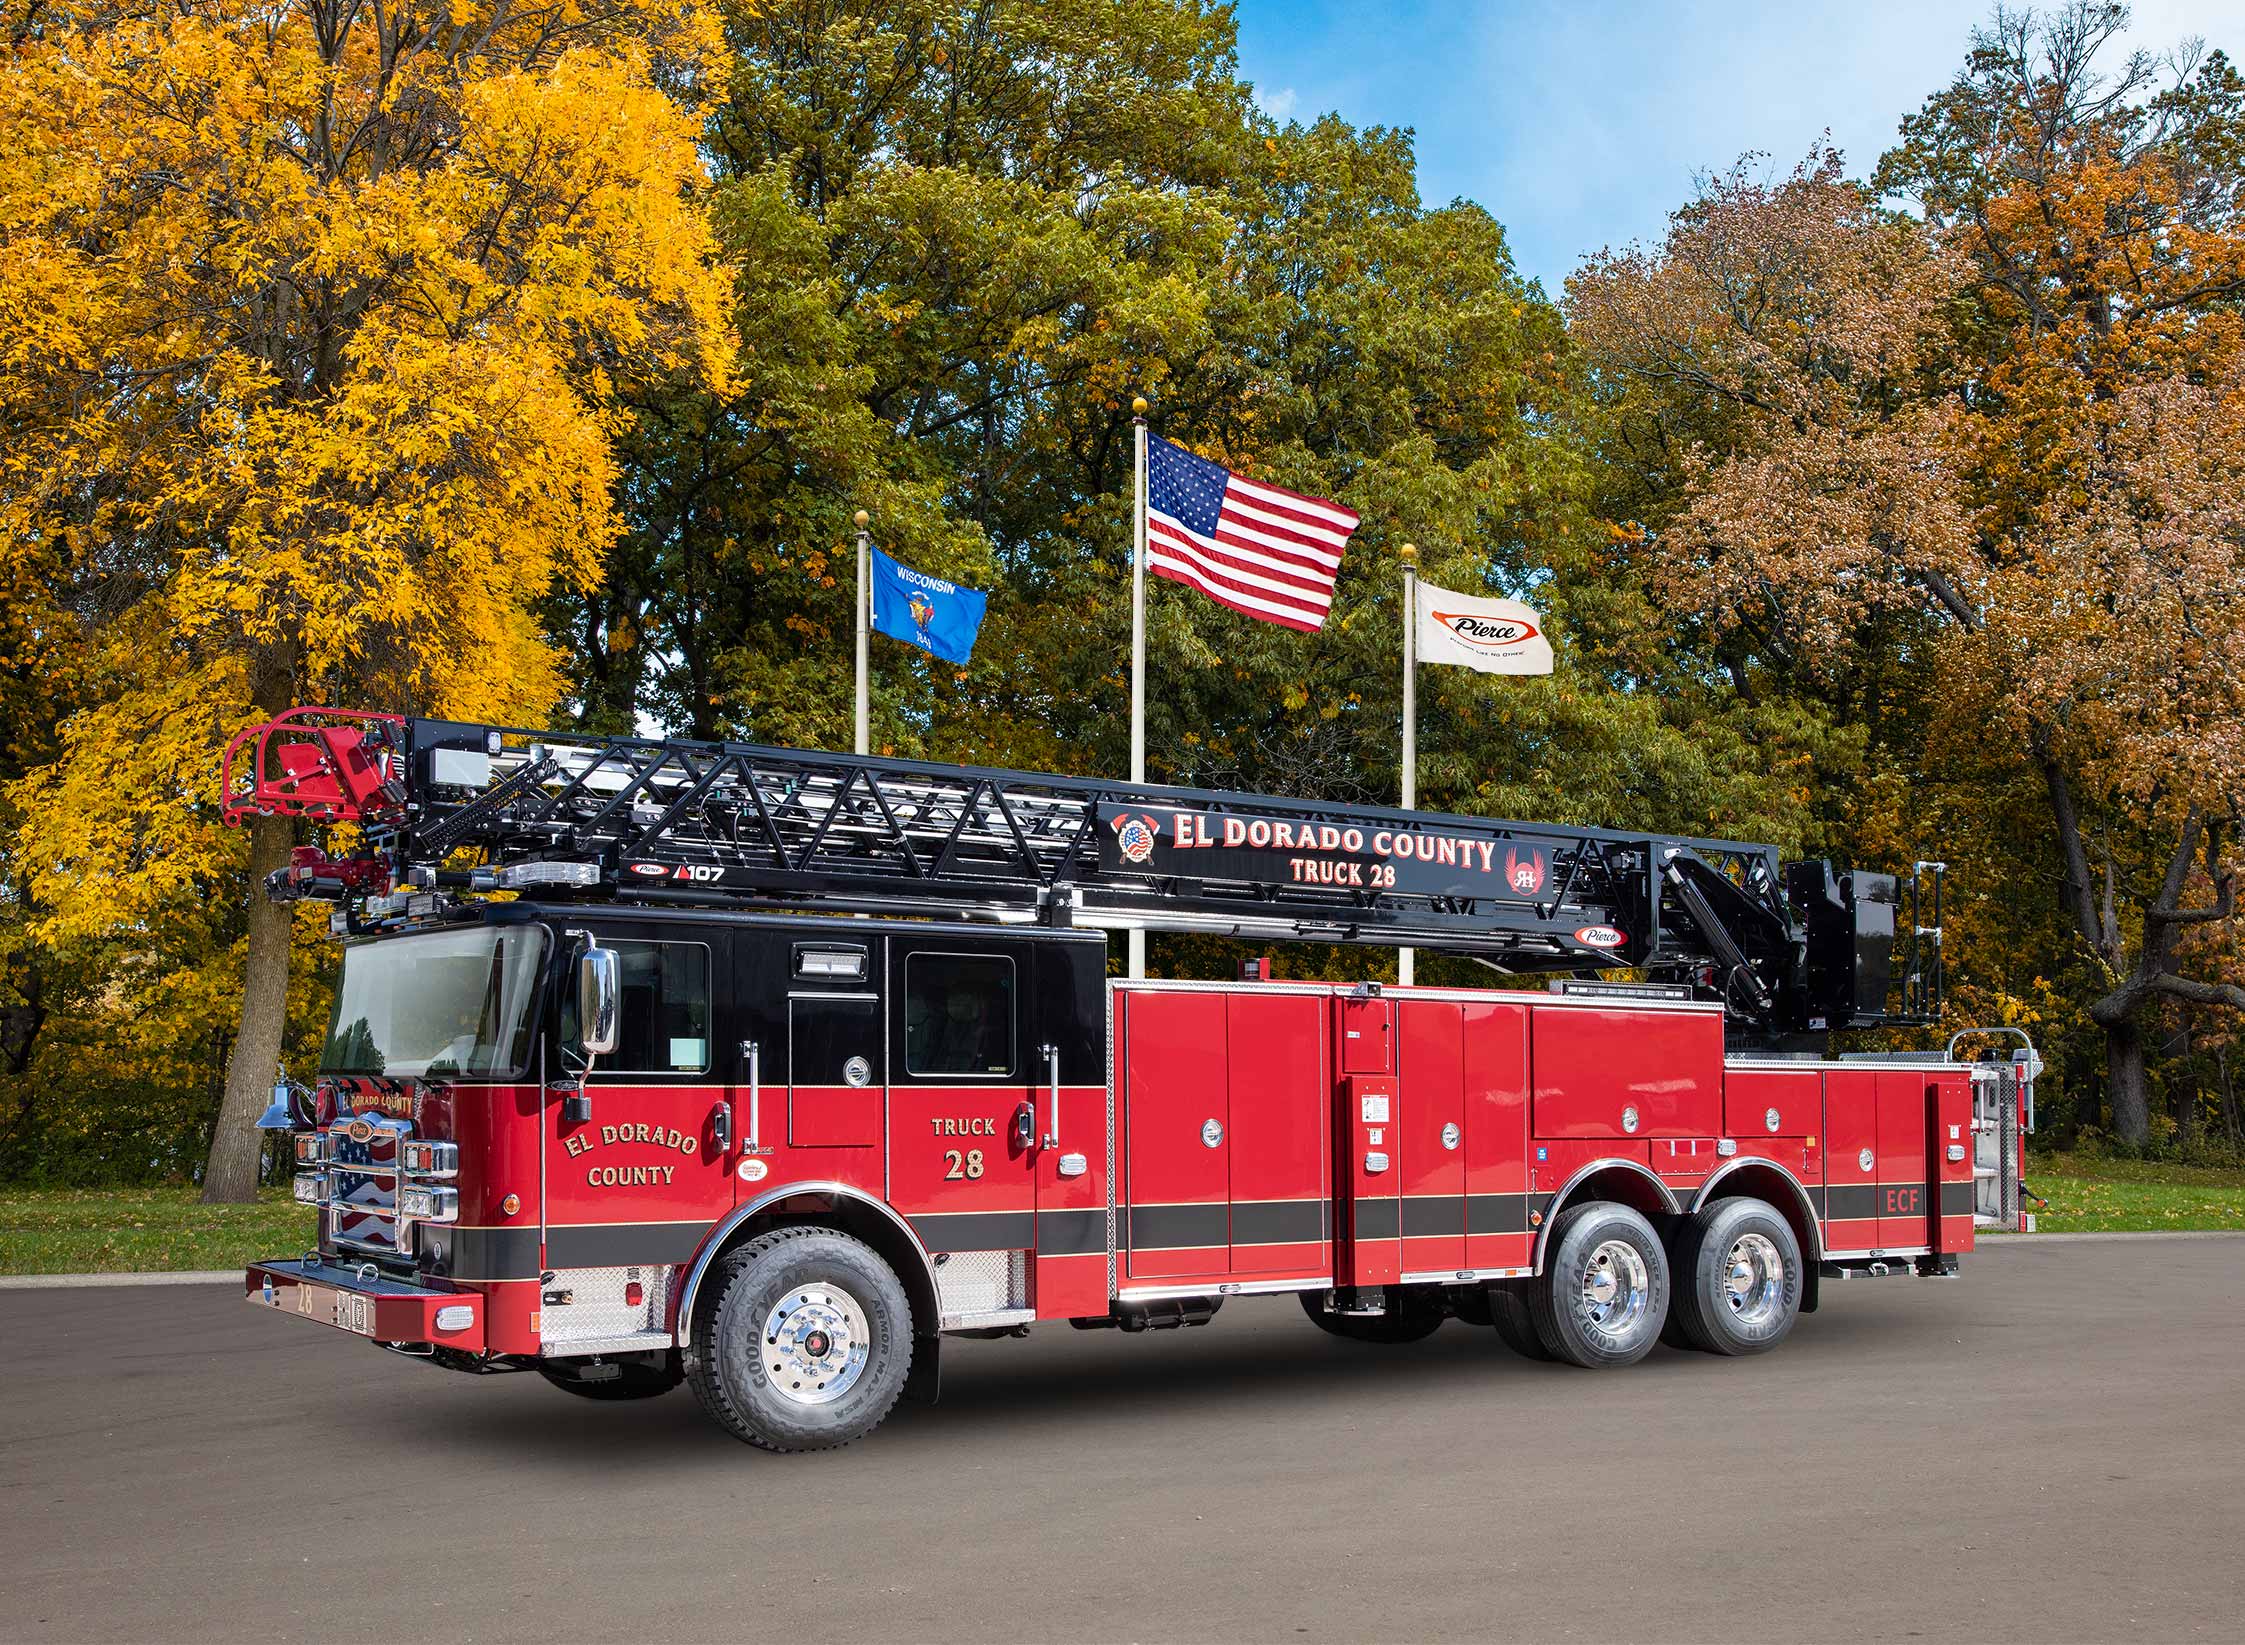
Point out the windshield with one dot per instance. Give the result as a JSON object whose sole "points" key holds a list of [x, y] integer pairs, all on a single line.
{"points": [[447, 1003]]}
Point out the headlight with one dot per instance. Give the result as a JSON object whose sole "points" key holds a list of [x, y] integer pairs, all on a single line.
{"points": [[310, 1187], [432, 1159], [310, 1146], [430, 1204]]}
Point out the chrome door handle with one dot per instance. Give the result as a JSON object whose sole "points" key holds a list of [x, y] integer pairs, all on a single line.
{"points": [[1052, 1068], [722, 1121], [755, 1089]]}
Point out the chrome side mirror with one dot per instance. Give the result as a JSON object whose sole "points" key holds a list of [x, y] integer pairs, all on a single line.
{"points": [[599, 989]]}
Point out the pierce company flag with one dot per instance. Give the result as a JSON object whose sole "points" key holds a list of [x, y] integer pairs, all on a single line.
{"points": [[939, 617], [1494, 636], [1260, 549]]}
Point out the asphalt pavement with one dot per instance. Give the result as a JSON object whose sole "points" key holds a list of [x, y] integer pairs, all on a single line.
{"points": [[2047, 1448]]}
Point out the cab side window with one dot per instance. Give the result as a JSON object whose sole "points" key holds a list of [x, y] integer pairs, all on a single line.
{"points": [[663, 1020], [958, 1014]]}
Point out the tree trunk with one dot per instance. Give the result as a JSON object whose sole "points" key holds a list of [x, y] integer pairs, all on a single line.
{"points": [[230, 1176], [2229, 1096], [2124, 1082]]}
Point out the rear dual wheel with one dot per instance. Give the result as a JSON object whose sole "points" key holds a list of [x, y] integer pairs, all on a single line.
{"points": [[1739, 1278], [1605, 1288]]}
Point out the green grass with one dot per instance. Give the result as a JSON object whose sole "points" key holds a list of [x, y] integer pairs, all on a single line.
{"points": [[142, 1230], [2093, 1194]]}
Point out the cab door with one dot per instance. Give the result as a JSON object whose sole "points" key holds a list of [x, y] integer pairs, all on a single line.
{"points": [[963, 1071], [635, 1170]]}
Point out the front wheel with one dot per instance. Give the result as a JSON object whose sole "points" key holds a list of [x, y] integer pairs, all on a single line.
{"points": [[804, 1344], [1605, 1287], [1738, 1278]]}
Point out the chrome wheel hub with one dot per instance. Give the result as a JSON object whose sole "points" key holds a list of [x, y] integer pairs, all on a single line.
{"points": [[1753, 1280], [815, 1344], [1616, 1288]]}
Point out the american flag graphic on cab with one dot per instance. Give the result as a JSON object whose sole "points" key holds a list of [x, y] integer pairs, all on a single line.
{"points": [[363, 1156], [1260, 549]]}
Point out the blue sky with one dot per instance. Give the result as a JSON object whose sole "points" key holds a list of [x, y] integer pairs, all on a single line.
{"points": [[1581, 125]]}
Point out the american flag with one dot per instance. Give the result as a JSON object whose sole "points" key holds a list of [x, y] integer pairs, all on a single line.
{"points": [[1257, 548]]}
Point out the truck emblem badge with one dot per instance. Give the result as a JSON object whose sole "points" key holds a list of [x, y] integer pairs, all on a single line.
{"points": [[1866, 1159], [1600, 936], [1135, 836], [650, 868], [1449, 1136], [857, 1070], [1524, 877], [1211, 1134], [751, 1170]]}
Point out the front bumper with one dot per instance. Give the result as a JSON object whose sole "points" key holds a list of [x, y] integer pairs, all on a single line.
{"points": [[368, 1304]]}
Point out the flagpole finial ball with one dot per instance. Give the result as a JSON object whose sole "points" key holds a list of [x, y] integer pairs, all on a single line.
{"points": [[1138, 405], [1408, 554], [862, 518]]}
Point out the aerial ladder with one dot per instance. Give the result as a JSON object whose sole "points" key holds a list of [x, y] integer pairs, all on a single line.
{"points": [[436, 809]]}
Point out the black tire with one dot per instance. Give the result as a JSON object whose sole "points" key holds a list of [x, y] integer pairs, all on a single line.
{"points": [[829, 1295], [1678, 1229], [627, 1379], [1629, 1261], [1410, 1318], [1753, 1311], [1508, 1312]]}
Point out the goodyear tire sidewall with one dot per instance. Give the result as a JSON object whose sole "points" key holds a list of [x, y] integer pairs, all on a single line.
{"points": [[738, 1323]]}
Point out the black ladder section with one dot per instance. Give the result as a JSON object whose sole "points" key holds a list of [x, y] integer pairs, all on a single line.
{"points": [[673, 820]]}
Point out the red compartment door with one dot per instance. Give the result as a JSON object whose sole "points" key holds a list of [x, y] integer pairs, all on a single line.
{"points": [[1905, 1111], [1851, 1159], [1428, 1136], [1596, 1069], [1495, 1043], [1281, 1194], [1176, 1125]]}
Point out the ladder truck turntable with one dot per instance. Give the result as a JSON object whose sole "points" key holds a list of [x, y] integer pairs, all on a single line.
{"points": [[765, 1070]]}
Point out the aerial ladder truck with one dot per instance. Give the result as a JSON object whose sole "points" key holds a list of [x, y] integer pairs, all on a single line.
{"points": [[656, 1060]]}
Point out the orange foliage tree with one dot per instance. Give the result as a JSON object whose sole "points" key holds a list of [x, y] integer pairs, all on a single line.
{"points": [[313, 321], [2000, 448]]}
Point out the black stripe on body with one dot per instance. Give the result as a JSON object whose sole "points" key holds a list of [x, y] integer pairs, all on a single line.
{"points": [[1280, 1221], [1428, 1216], [492, 1253], [979, 1230], [1496, 1213], [1173, 1227], [1071, 1233], [623, 1244]]}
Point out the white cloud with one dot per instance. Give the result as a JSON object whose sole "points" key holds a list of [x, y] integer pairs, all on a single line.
{"points": [[1279, 104]]}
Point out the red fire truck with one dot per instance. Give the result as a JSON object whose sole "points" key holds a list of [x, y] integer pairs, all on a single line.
{"points": [[765, 1070]]}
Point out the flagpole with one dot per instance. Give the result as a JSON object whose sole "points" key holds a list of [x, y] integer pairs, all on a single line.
{"points": [[1137, 937], [1405, 958], [864, 727]]}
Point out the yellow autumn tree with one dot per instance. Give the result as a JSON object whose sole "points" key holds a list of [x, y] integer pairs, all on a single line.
{"points": [[314, 318]]}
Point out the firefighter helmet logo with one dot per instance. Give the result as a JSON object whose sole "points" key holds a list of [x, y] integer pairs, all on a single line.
{"points": [[1135, 837], [923, 613], [1524, 875], [1600, 936]]}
